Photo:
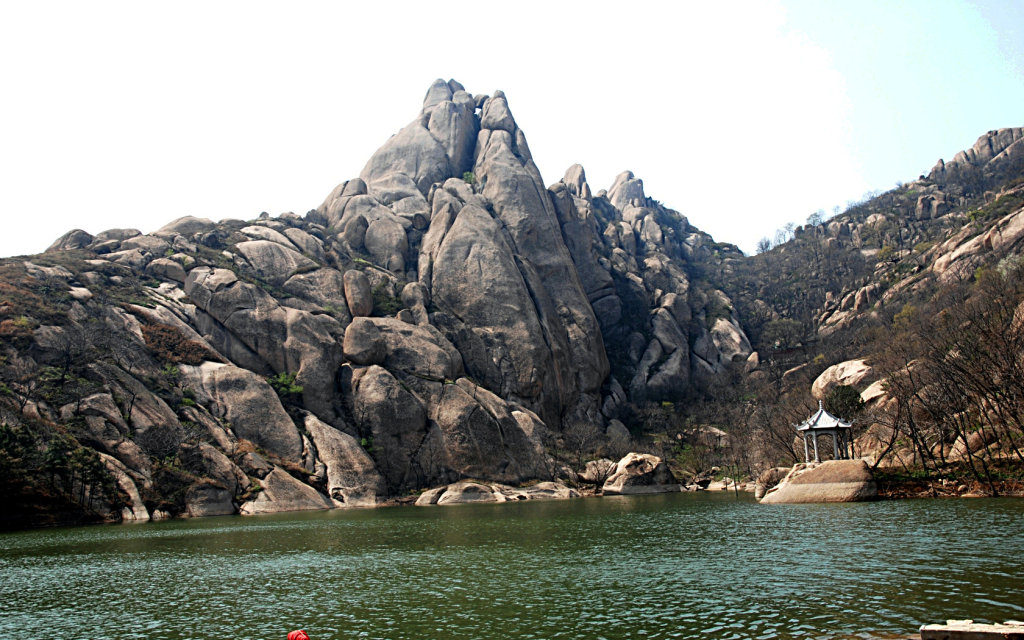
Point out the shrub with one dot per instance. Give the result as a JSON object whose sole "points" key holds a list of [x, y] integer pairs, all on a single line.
{"points": [[285, 386], [469, 177], [844, 402], [170, 345], [385, 304]]}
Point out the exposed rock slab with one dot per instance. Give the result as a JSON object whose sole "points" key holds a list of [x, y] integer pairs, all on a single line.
{"points": [[206, 499], [969, 630], [830, 481], [249, 404], [768, 479], [469, 492], [352, 478], [282, 492]]}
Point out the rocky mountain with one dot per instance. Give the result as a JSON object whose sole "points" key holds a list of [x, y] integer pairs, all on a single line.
{"points": [[903, 312], [893, 248], [443, 316]]}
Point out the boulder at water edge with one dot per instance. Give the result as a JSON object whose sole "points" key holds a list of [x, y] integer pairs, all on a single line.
{"points": [[831, 481], [640, 473], [768, 479], [466, 492]]}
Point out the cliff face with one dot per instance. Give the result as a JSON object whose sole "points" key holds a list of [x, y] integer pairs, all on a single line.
{"points": [[442, 316]]}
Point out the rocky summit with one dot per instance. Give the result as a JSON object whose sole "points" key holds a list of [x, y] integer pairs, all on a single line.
{"points": [[445, 328], [444, 316]]}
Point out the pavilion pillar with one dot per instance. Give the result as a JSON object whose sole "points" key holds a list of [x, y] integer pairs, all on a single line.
{"points": [[807, 454], [835, 445], [814, 436]]}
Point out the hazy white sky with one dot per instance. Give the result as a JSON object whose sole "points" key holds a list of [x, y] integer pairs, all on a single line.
{"points": [[743, 116]]}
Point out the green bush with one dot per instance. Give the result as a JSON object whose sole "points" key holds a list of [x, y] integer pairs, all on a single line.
{"points": [[469, 177], [367, 444], [385, 304], [286, 386]]}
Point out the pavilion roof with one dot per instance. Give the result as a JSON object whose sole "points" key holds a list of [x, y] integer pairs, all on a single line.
{"points": [[822, 420]]}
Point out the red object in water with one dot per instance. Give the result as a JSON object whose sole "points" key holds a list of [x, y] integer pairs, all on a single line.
{"points": [[298, 635]]}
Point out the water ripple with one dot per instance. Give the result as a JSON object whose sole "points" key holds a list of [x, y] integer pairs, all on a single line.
{"points": [[677, 566]]}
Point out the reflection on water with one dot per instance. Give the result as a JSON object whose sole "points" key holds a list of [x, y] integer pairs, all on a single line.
{"points": [[670, 566]]}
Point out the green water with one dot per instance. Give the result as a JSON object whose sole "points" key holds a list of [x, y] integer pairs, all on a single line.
{"points": [[670, 566]]}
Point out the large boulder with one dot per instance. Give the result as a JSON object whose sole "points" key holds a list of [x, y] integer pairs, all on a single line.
{"points": [[395, 420], [286, 340], [323, 287], [208, 499], [248, 403], [768, 479], [481, 437], [850, 373], [206, 460], [274, 262], [467, 492], [413, 151], [639, 473], [419, 351], [364, 343], [167, 269], [627, 190], [598, 471], [70, 241], [357, 293], [545, 491], [282, 492], [830, 481], [185, 226], [352, 478]]}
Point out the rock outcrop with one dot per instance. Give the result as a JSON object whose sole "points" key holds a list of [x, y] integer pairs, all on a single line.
{"points": [[282, 492], [640, 473], [991, 150], [850, 373], [769, 479], [442, 316], [468, 492], [830, 481]]}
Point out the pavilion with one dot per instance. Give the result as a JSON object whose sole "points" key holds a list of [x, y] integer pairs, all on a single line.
{"points": [[822, 423]]}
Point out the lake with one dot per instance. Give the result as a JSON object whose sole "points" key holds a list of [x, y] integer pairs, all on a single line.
{"points": [[704, 565]]}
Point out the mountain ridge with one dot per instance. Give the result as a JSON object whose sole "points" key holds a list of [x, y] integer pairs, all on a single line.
{"points": [[443, 316]]}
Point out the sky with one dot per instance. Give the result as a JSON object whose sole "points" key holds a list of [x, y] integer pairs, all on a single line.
{"points": [[742, 116]]}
